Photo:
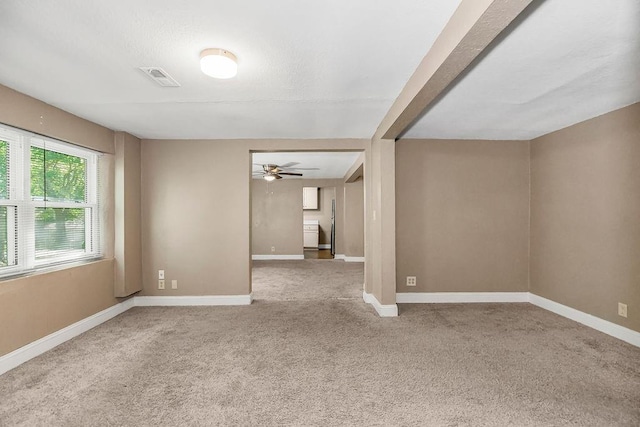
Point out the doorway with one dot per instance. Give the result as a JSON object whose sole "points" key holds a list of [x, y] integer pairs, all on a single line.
{"points": [[319, 220], [282, 223]]}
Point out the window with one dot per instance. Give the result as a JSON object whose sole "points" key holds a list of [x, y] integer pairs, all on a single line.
{"points": [[48, 202]]}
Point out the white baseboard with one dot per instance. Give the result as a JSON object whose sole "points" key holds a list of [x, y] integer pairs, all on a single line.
{"points": [[604, 326], [276, 257], [460, 297], [324, 246], [388, 310], [177, 301], [609, 328], [349, 258], [44, 344]]}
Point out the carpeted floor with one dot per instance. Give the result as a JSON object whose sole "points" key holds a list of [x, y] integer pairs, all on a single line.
{"points": [[307, 280], [298, 356]]}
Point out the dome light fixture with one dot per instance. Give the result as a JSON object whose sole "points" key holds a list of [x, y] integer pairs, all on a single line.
{"points": [[269, 177], [218, 63]]}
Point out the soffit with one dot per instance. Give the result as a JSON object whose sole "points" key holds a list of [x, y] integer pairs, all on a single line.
{"points": [[568, 61]]}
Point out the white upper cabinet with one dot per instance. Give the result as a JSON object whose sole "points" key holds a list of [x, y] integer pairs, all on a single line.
{"points": [[309, 197]]}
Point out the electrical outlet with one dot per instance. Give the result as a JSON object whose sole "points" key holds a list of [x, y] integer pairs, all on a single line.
{"points": [[622, 309], [161, 284], [160, 274], [174, 284], [411, 280], [273, 248]]}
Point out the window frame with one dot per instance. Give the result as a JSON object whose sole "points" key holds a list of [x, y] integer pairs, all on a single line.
{"points": [[19, 197]]}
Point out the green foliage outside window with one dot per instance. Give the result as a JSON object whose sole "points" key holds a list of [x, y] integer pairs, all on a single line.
{"points": [[57, 177]]}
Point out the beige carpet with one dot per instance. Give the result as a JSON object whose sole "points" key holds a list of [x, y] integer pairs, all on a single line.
{"points": [[307, 280], [327, 359]]}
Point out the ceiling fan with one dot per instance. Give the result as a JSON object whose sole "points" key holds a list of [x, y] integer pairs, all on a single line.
{"points": [[271, 172]]}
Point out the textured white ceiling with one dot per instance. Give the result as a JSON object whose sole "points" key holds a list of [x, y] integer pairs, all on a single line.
{"points": [[307, 69], [329, 164], [569, 61]]}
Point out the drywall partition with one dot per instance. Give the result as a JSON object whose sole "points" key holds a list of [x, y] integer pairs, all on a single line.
{"points": [[196, 217], [462, 215], [353, 240], [585, 216], [276, 219], [128, 241], [380, 248], [34, 306]]}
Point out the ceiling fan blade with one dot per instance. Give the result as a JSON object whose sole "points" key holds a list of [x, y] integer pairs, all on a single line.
{"points": [[290, 173], [258, 173], [277, 176], [288, 165]]}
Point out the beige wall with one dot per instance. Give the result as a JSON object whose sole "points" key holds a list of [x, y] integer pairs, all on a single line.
{"points": [[22, 111], [128, 240], [196, 208], [281, 225], [276, 217], [585, 216], [462, 215], [354, 219], [34, 306]]}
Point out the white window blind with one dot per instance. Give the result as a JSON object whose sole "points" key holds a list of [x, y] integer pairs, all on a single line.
{"points": [[49, 211]]}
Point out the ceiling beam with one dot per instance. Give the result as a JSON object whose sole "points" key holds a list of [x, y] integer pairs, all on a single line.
{"points": [[356, 170], [471, 29]]}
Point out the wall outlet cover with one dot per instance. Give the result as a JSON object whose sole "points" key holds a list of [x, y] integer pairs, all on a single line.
{"points": [[411, 280], [161, 284], [622, 309]]}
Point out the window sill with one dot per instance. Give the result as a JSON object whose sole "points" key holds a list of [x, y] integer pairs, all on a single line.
{"points": [[51, 268]]}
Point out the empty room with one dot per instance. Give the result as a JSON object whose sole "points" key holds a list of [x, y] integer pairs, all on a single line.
{"points": [[320, 213]]}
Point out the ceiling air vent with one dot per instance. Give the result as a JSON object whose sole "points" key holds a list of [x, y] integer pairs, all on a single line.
{"points": [[160, 76]]}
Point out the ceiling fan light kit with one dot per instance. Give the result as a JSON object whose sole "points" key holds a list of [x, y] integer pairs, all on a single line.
{"points": [[218, 63]]}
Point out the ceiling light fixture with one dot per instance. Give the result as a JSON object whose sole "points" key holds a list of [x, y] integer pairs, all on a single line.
{"points": [[269, 177], [218, 63]]}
